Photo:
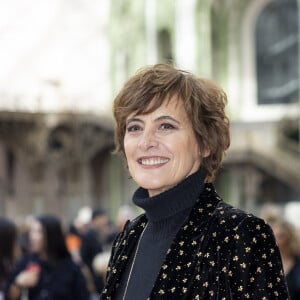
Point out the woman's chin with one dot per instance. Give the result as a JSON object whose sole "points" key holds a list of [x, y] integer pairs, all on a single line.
{"points": [[151, 185], [154, 188]]}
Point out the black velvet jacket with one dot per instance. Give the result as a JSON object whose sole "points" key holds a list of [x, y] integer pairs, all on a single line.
{"points": [[219, 253]]}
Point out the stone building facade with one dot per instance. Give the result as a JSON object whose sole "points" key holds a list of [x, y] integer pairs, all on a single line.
{"points": [[251, 49], [60, 159]]}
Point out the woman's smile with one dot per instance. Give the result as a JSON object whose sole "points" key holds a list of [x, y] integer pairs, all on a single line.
{"points": [[161, 147], [154, 161]]}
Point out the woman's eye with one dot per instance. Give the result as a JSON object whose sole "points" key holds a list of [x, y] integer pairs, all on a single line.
{"points": [[133, 128], [166, 126]]}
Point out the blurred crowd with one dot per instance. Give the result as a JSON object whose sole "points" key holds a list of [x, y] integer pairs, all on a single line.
{"points": [[287, 236], [42, 258]]}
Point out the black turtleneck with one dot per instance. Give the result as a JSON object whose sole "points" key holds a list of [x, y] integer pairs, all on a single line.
{"points": [[166, 213]]}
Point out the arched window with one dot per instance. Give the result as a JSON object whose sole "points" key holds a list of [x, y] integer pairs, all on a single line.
{"points": [[276, 37]]}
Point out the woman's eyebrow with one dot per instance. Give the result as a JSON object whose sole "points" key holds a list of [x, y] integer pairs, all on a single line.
{"points": [[167, 118], [133, 120], [160, 118]]}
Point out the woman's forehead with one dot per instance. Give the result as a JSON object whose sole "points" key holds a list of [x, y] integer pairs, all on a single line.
{"points": [[168, 103]]}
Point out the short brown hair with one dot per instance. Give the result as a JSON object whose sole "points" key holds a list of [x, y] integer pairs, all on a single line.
{"points": [[203, 100]]}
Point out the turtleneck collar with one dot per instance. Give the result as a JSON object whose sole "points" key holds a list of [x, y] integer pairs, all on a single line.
{"points": [[171, 202]]}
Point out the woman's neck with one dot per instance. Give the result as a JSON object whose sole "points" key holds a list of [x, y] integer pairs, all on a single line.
{"points": [[162, 206]]}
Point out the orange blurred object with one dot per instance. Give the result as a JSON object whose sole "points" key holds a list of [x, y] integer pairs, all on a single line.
{"points": [[73, 242]]}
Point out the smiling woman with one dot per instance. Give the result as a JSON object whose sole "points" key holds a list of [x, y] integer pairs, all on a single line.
{"points": [[156, 145], [172, 130]]}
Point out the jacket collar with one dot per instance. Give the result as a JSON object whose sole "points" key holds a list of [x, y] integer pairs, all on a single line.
{"points": [[184, 247], [172, 201]]}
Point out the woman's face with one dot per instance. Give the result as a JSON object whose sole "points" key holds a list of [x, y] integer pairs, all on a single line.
{"points": [[36, 237], [161, 147]]}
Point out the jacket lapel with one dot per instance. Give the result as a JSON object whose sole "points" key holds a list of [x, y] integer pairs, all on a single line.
{"points": [[176, 274], [184, 255], [121, 251]]}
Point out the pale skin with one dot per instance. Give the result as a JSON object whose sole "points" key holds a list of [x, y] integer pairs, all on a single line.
{"points": [[161, 147]]}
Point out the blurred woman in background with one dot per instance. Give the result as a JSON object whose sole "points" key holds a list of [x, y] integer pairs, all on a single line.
{"points": [[49, 273], [287, 238], [8, 235]]}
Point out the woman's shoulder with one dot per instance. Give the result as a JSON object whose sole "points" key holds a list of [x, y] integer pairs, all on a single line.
{"points": [[241, 226], [236, 219], [225, 212], [133, 224], [130, 229]]}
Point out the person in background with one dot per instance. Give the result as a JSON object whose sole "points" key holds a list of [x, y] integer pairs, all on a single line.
{"points": [[287, 237], [77, 228], [93, 242], [125, 213], [8, 237], [23, 235], [49, 273], [100, 263], [73, 243], [172, 130]]}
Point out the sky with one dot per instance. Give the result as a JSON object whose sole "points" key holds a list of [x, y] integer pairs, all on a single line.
{"points": [[54, 55]]}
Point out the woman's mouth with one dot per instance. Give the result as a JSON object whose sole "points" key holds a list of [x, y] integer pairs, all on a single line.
{"points": [[153, 161]]}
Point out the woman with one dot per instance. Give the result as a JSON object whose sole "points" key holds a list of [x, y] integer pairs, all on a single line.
{"points": [[287, 239], [50, 272], [172, 130], [8, 236]]}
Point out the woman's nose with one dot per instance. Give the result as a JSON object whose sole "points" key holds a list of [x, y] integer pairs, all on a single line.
{"points": [[148, 140]]}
